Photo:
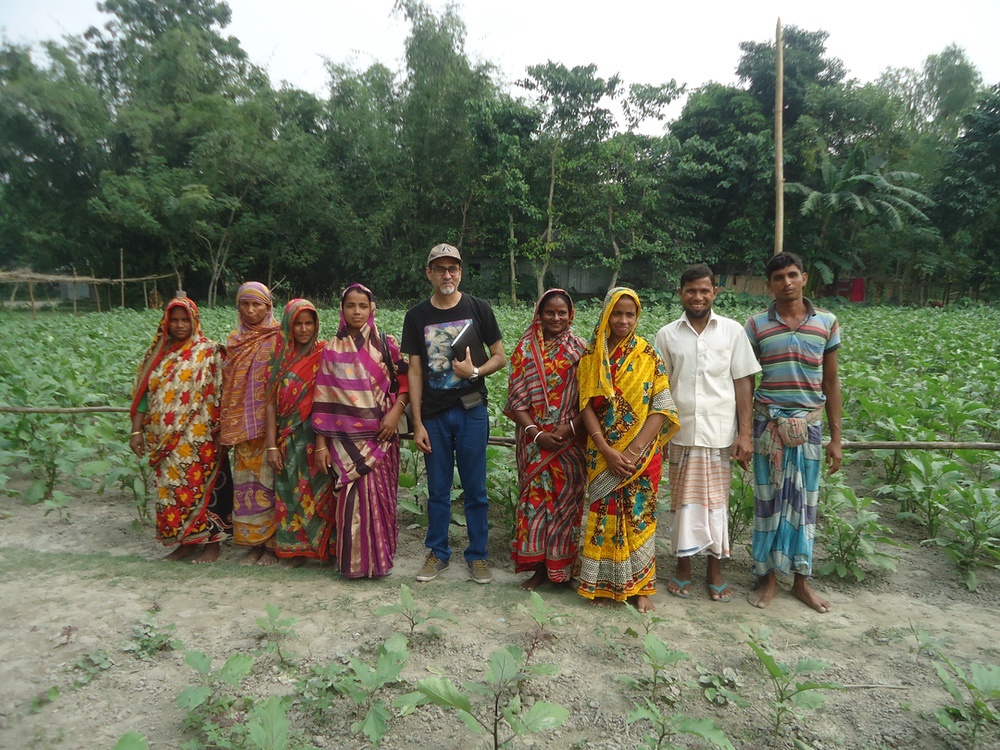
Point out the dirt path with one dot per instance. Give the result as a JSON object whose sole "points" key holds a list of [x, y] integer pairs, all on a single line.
{"points": [[70, 589]]}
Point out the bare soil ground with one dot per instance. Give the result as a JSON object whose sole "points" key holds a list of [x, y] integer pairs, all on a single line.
{"points": [[68, 589]]}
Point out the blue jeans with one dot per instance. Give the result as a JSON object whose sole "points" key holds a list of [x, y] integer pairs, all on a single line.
{"points": [[457, 435]]}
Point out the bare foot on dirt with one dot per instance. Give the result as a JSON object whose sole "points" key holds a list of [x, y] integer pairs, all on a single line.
{"points": [[292, 562], [802, 592], [643, 604], [180, 552], [267, 557], [253, 556], [600, 601], [718, 589], [209, 554], [766, 588], [537, 579]]}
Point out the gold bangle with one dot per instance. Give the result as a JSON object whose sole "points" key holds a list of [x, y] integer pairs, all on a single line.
{"points": [[272, 449], [595, 432], [137, 432]]}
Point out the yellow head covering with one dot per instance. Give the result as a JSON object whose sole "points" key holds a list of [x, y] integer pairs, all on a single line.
{"points": [[595, 364]]}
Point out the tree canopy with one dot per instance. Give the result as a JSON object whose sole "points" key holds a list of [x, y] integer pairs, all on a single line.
{"points": [[156, 136]]}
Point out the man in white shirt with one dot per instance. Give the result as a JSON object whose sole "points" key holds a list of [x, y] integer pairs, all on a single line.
{"points": [[711, 367]]}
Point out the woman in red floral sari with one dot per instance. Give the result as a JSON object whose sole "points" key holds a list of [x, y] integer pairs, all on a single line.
{"points": [[543, 400], [302, 488], [175, 419]]}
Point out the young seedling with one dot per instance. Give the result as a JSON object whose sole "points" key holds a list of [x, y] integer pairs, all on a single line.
{"points": [[981, 711], [850, 530], [149, 637], [44, 698], [643, 620], [277, 630], [407, 607], [505, 717], [90, 666], [722, 689], [792, 694], [658, 656], [667, 729], [268, 727], [209, 706], [544, 617], [971, 535], [361, 683], [927, 644]]}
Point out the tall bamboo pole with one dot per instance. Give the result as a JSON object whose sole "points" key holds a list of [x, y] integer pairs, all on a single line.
{"points": [[121, 270], [779, 158]]}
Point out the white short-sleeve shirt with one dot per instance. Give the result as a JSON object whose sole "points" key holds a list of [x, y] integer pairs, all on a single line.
{"points": [[702, 369]]}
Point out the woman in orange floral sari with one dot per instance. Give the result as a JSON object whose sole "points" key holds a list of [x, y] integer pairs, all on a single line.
{"points": [[302, 488], [543, 401], [175, 419]]}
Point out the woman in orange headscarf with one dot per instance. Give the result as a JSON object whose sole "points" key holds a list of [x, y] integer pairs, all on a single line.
{"points": [[175, 420], [244, 398]]}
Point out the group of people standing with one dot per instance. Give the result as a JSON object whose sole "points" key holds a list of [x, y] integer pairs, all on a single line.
{"points": [[307, 426], [311, 430], [594, 420]]}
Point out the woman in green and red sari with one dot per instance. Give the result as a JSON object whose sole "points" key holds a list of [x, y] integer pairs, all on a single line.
{"points": [[302, 489], [543, 401], [175, 420]]}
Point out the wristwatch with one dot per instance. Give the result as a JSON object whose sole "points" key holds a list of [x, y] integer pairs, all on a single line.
{"points": [[475, 374]]}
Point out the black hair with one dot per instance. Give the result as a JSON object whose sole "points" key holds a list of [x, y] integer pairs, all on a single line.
{"points": [[555, 294], [697, 271], [782, 260]]}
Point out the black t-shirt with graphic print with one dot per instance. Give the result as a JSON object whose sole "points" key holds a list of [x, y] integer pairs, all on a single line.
{"points": [[429, 333]]}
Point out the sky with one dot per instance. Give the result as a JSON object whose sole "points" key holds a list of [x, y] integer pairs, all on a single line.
{"points": [[647, 41]]}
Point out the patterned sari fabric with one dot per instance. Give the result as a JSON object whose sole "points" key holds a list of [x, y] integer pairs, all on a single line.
{"points": [[178, 384], [624, 387], [302, 489], [353, 393], [244, 397], [543, 383]]}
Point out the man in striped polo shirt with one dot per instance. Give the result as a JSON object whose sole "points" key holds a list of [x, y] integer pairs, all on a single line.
{"points": [[796, 344]]}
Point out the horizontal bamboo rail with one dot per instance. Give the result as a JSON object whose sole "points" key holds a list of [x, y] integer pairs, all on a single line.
{"points": [[850, 445]]}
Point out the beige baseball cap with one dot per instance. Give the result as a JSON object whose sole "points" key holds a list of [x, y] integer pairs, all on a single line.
{"points": [[444, 250]]}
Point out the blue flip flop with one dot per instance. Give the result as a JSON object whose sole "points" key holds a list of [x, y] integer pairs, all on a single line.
{"points": [[680, 585], [718, 590]]}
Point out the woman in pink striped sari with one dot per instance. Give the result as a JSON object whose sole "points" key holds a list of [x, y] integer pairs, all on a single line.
{"points": [[361, 391]]}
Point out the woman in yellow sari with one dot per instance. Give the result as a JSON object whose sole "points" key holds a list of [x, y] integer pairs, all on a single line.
{"points": [[629, 416]]}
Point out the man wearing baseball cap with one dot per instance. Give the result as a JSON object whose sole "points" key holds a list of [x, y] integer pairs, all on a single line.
{"points": [[453, 342]]}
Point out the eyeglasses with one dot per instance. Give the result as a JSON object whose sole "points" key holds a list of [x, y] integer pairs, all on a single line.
{"points": [[446, 270]]}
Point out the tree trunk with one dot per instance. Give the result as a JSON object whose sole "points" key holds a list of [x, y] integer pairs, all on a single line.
{"points": [[614, 246], [466, 205], [510, 257], [540, 271]]}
